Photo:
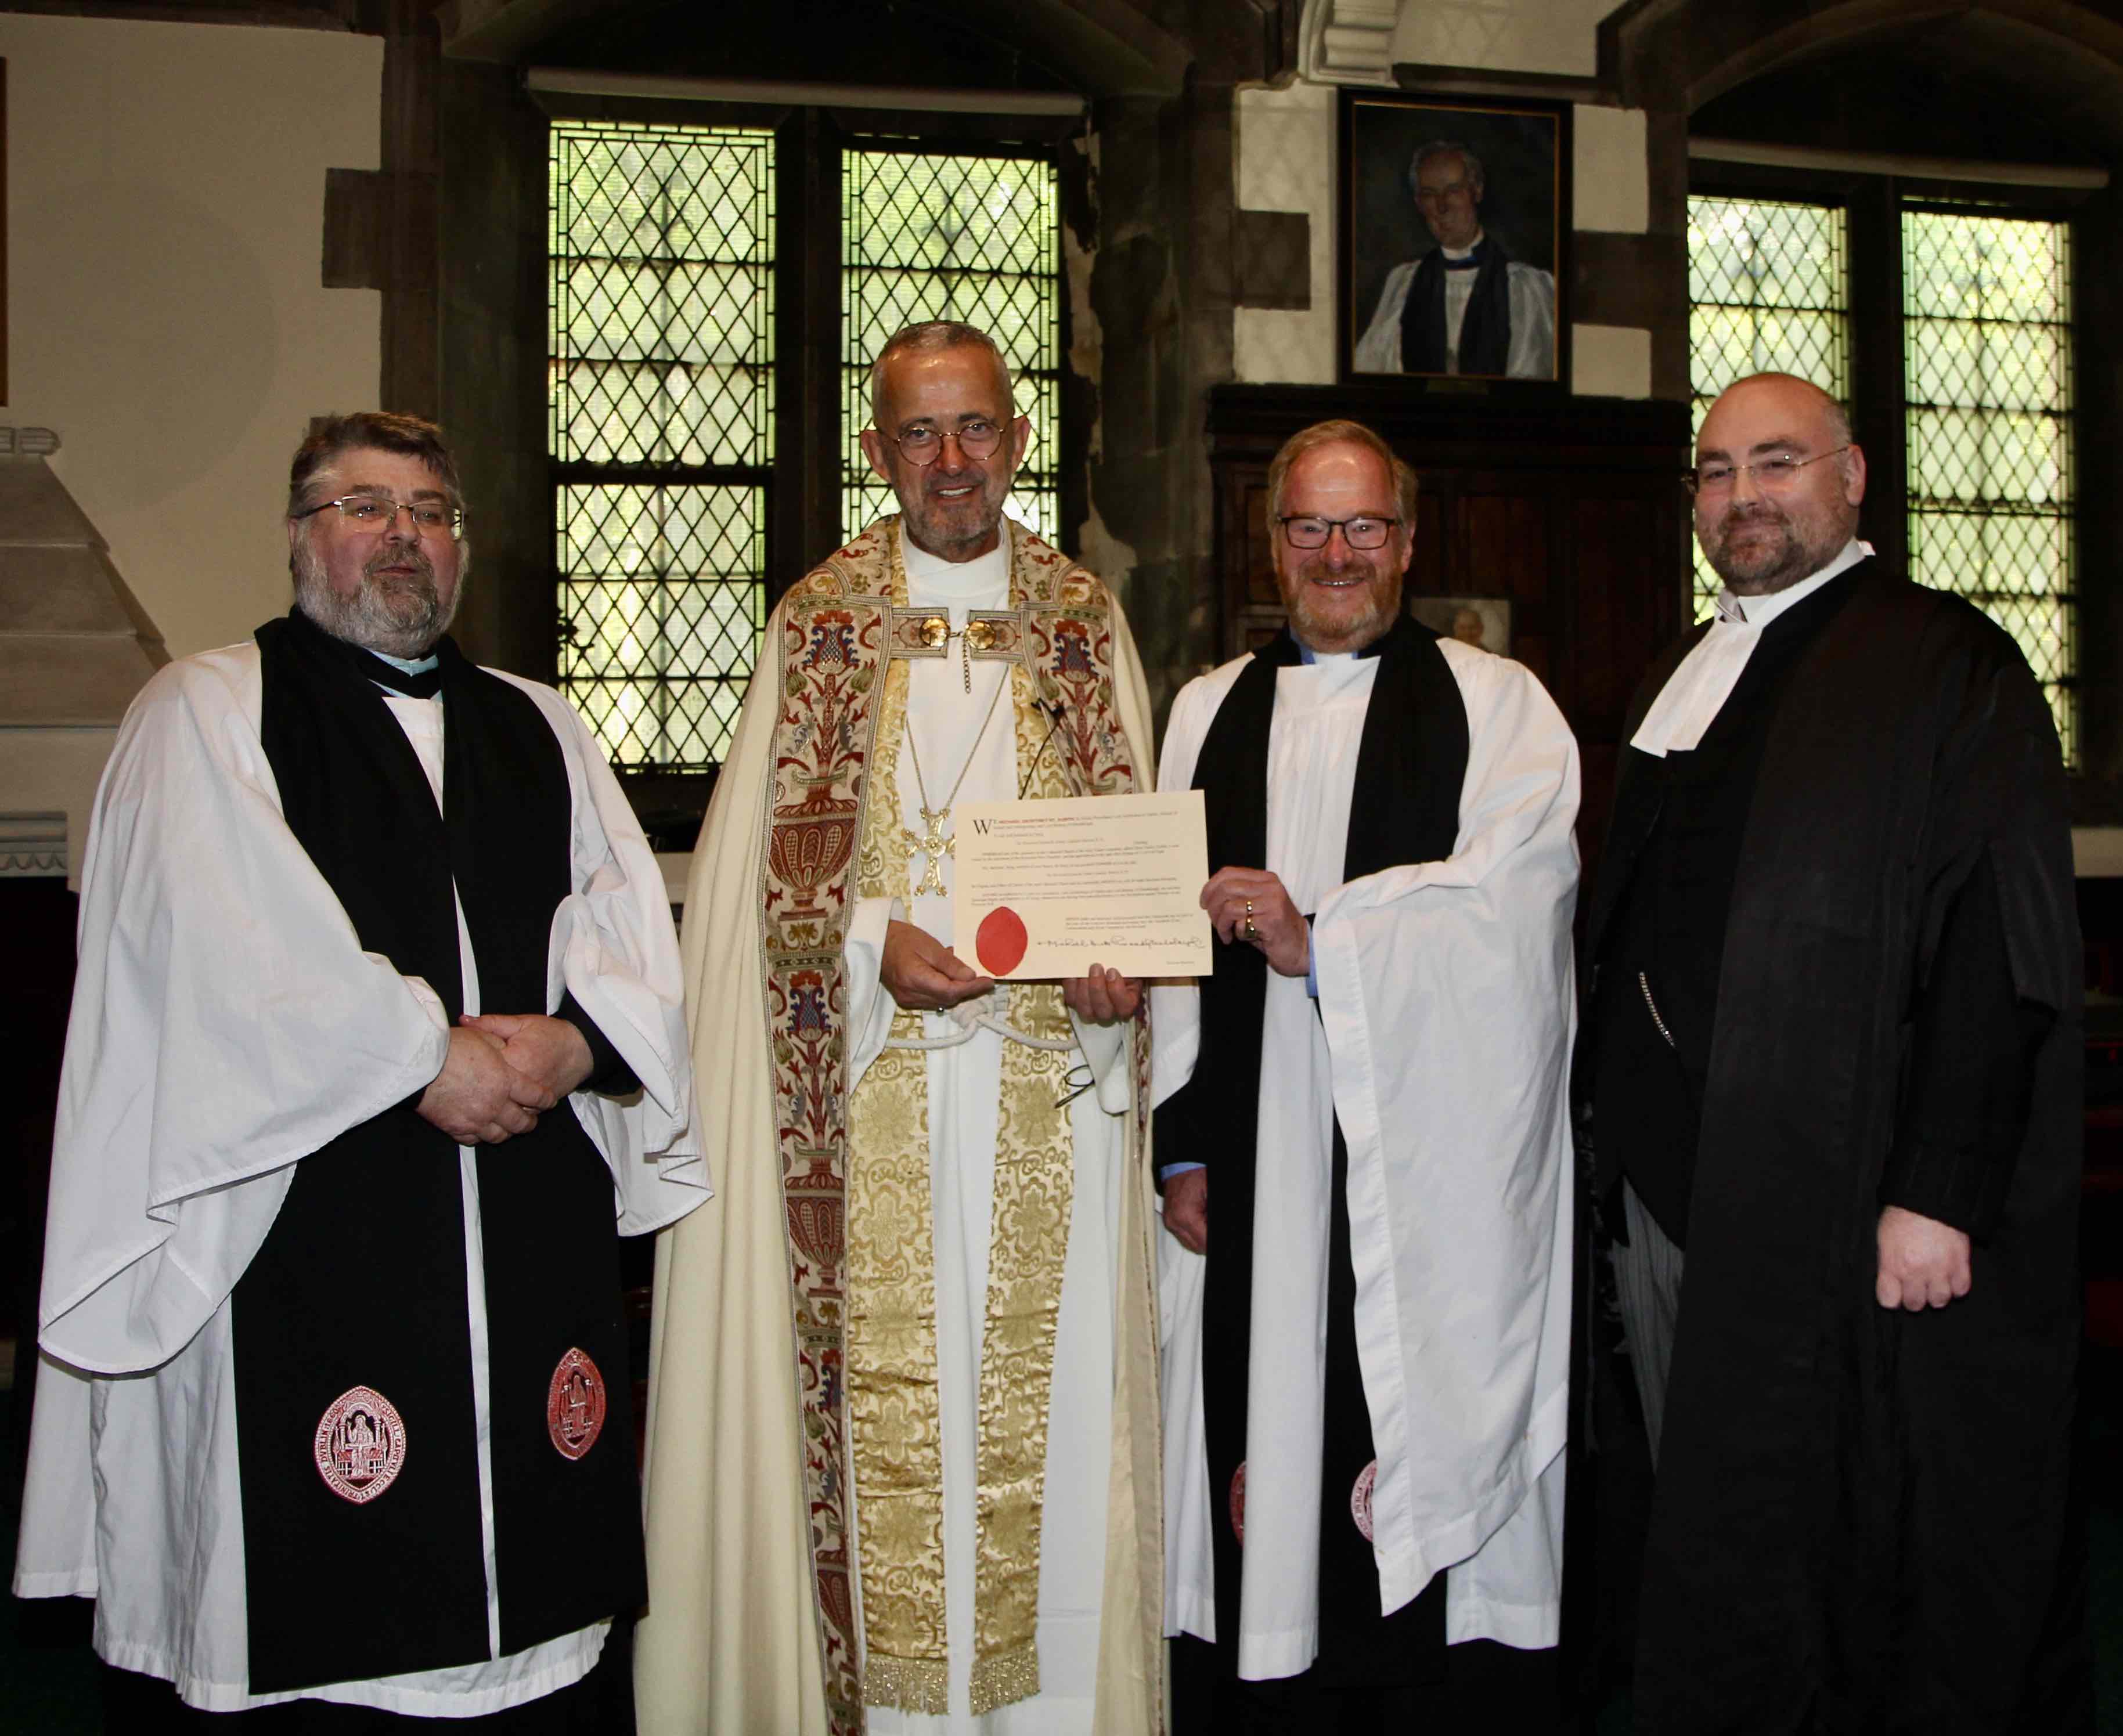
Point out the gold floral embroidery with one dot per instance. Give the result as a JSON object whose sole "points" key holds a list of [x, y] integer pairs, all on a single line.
{"points": [[832, 829]]}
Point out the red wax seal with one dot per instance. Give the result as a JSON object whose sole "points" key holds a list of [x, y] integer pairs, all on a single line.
{"points": [[1359, 1499], [999, 942], [1239, 1502], [360, 1445], [574, 1406]]}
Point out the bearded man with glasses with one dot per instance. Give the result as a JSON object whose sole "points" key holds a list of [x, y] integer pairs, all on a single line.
{"points": [[378, 1045], [1367, 1342], [1830, 1075], [902, 1466]]}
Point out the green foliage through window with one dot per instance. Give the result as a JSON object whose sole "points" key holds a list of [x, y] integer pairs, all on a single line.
{"points": [[1987, 330], [662, 391], [1768, 290], [662, 388], [970, 238]]}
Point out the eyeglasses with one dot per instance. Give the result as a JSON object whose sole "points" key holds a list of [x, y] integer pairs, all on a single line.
{"points": [[1770, 474], [378, 512], [923, 445], [1305, 532]]}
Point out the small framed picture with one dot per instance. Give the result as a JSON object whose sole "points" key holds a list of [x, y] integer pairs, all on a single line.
{"points": [[1483, 622], [1455, 218]]}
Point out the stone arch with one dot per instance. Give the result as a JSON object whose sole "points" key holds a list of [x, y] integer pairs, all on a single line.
{"points": [[1668, 55], [1102, 48]]}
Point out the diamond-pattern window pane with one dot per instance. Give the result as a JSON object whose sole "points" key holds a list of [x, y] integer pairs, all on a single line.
{"points": [[940, 237], [661, 326], [662, 605], [1986, 310], [1768, 286], [662, 335]]}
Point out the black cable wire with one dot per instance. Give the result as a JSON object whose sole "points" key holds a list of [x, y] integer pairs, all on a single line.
{"points": [[1053, 710]]}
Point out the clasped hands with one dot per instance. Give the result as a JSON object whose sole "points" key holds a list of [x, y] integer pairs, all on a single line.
{"points": [[502, 1071], [923, 975]]}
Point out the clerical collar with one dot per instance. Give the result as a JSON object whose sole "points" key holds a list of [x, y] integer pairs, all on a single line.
{"points": [[1759, 611], [1464, 259], [409, 677], [981, 583], [1306, 655], [420, 678]]}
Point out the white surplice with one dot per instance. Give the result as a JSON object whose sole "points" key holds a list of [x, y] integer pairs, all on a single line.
{"points": [[952, 729], [1441, 1041], [226, 1023], [1530, 354]]}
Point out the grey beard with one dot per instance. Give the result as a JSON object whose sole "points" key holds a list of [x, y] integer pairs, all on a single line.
{"points": [[406, 625]]}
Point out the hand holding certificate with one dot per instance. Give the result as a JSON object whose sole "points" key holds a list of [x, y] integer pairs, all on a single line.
{"points": [[1045, 890]]}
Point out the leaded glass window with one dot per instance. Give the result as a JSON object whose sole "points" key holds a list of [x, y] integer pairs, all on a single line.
{"points": [[1768, 289], [662, 392], [1986, 331], [929, 236]]}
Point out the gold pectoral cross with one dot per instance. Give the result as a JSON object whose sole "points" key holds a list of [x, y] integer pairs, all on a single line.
{"points": [[936, 846]]}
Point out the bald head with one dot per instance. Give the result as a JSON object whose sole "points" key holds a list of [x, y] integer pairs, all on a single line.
{"points": [[1798, 401], [1780, 483]]}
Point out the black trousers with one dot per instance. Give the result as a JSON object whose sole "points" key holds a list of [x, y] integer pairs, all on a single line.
{"points": [[1374, 1672], [601, 1704], [1484, 1687]]}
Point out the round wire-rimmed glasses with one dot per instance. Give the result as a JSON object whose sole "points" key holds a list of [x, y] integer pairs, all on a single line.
{"points": [[922, 445]]}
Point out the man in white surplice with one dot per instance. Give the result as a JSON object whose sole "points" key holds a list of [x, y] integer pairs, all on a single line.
{"points": [[838, 1547], [1466, 306], [318, 1217], [1365, 1363]]}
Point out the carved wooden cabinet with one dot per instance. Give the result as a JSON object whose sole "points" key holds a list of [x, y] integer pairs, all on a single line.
{"points": [[1572, 509]]}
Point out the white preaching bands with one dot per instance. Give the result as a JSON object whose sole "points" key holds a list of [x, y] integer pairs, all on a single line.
{"points": [[1700, 686]]}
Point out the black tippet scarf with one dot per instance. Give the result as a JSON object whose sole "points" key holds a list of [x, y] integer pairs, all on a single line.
{"points": [[361, 1280], [1485, 333], [1411, 767]]}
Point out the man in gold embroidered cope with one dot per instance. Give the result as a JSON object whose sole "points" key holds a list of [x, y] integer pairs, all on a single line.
{"points": [[903, 1460]]}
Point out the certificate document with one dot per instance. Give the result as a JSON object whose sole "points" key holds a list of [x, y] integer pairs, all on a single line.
{"points": [[1047, 889]]}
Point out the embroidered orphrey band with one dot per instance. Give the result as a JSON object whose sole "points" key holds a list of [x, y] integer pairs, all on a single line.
{"points": [[829, 646]]}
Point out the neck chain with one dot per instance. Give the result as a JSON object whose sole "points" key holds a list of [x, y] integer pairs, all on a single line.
{"points": [[933, 844]]}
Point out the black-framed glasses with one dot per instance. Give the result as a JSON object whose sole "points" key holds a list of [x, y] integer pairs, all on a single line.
{"points": [[379, 511], [923, 445], [1777, 471], [1306, 531]]}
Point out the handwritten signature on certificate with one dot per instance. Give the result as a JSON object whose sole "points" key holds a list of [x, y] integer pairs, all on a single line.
{"points": [[1047, 889]]}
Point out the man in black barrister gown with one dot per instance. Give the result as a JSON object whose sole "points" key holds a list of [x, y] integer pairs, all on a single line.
{"points": [[1833, 1054]]}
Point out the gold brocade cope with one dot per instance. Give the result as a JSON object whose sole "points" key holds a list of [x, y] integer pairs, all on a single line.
{"points": [[893, 1396], [830, 644]]}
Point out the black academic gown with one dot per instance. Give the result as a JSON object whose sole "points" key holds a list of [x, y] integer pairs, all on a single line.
{"points": [[1859, 1521]]}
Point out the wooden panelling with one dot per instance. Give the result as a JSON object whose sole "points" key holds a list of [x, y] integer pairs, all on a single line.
{"points": [[1573, 510]]}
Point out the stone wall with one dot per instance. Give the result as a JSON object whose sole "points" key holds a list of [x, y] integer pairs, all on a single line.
{"points": [[167, 308]]}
